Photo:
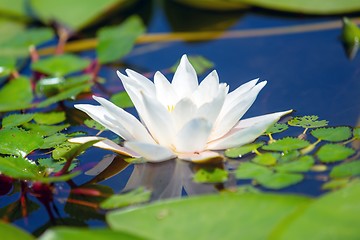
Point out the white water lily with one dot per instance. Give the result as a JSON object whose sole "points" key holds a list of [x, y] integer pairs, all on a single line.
{"points": [[181, 119]]}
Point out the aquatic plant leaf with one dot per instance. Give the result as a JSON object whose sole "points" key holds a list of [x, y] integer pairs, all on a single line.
{"points": [[49, 118], [17, 8], [333, 153], [45, 130], [15, 120], [307, 122], [122, 100], [237, 213], [19, 168], [67, 94], [68, 151], [65, 233], [303, 164], [18, 142], [286, 144], [74, 14], [332, 134], [250, 170], [117, 41], [60, 65], [214, 5], [16, 95], [335, 184], [90, 123], [9, 231], [289, 156], [54, 166], [240, 151], [279, 180], [7, 66], [346, 170], [200, 64], [351, 37], [276, 128], [53, 140], [356, 133], [333, 216], [135, 196], [18, 46], [320, 7], [9, 27], [210, 175], [266, 159]]}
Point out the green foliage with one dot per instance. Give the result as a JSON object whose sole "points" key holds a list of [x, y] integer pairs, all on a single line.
{"points": [[68, 151], [351, 37], [90, 123], [349, 169], [333, 153], [16, 95], [266, 159], [308, 122], [356, 133], [240, 151], [122, 100], [20, 168], [249, 170], [9, 231], [60, 65], [135, 196], [15, 120], [217, 5], [210, 175], [117, 41], [332, 134], [49, 118], [276, 128], [18, 142], [200, 64], [53, 140], [286, 144], [45, 130], [335, 184], [279, 180], [7, 66], [17, 8], [303, 164], [52, 165]]}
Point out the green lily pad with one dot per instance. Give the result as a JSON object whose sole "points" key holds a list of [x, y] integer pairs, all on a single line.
{"points": [[68, 151], [20, 168], [18, 142], [117, 41], [303, 164], [240, 151], [49, 118], [210, 175], [53, 140], [356, 133], [16, 95], [336, 184], [289, 156], [45, 130], [266, 159], [279, 180], [346, 170], [9, 27], [286, 144], [9, 231], [60, 65], [15, 120], [333, 153], [351, 37], [122, 100], [135, 196], [250, 170], [276, 128], [200, 64], [332, 134], [52, 165], [307, 122], [90, 123], [7, 66]]}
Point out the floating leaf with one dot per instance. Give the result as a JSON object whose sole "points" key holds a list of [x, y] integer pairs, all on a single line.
{"points": [[9, 231], [289, 156], [350, 37], [19, 167], [333, 153], [279, 180], [276, 128], [286, 144], [122, 100], [303, 164], [335, 184], [307, 122], [7, 66], [240, 151], [251, 170], [217, 5], [90, 123], [53, 165], [53, 140], [16, 141], [200, 64], [266, 159], [68, 151], [117, 41], [45, 130], [356, 133], [135, 196], [60, 65], [49, 118], [332, 134], [16, 95], [210, 175], [346, 170], [15, 120]]}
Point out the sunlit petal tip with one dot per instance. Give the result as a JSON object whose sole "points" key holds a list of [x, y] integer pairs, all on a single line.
{"points": [[151, 152], [206, 157]]}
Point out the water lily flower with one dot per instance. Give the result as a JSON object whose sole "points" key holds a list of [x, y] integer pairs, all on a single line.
{"points": [[181, 119]]}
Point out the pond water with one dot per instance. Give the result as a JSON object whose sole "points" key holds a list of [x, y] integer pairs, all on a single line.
{"points": [[306, 71]]}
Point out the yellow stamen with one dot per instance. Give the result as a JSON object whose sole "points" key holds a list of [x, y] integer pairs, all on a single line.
{"points": [[170, 108]]}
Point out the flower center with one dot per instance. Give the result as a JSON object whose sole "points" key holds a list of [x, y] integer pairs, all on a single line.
{"points": [[170, 108]]}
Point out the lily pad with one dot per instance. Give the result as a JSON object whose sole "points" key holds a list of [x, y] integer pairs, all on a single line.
{"points": [[135, 196], [240, 151], [15, 120], [249, 170], [332, 134], [276, 128], [266, 159], [333, 153], [289, 156], [117, 41], [286, 144], [210, 175], [279, 180], [307, 122], [335, 184], [356, 133], [49, 118], [54, 166], [200, 64], [351, 37], [53, 140], [90, 123], [16, 95], [303, 164], [20, 168], [349, 169], [45, 130], [122, 100], [69, 151], [9, 231], [7, 66]]}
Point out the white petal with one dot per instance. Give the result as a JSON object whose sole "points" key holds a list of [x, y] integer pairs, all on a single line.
{"points": [[193, 136], [245, 123], [158, 121], [125, 119], [240, 91], [253, 129], [105, 144], [202, 157], [207, 90], [185, 79], [164, 90], [151, 152], [142, 81], [183, 112], [228, 118], [102, 116]]}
